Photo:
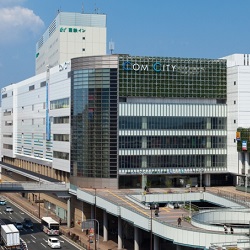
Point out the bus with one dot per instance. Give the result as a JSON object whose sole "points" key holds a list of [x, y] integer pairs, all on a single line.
{"points": [[49, 226]]}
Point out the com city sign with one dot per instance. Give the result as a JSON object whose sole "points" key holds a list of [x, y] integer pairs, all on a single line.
{"points": [[157, 67]]}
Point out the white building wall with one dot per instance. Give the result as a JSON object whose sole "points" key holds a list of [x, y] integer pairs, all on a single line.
{"points": [[238, 103], [71, 35], [28, 115]]}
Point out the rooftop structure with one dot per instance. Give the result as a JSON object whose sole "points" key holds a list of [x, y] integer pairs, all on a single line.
{"points": [[71, 35]]}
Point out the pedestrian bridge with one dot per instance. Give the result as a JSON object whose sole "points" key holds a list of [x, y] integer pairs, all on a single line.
{"points": [[197, 233], [34, 187]]}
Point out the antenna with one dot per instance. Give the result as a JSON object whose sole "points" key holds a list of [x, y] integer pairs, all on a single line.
{"points": [[59, 10], [82, 8], [111, 46], [96, 9]]}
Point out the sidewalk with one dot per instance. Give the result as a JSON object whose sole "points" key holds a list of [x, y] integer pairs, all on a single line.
{"points": [[74, 234]]}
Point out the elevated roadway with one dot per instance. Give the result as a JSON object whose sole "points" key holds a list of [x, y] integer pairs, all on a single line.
{"points": [[119, 204], [165, 225]]}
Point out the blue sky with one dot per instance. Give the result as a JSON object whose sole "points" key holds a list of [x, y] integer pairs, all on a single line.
{"points": [[171, 28]]}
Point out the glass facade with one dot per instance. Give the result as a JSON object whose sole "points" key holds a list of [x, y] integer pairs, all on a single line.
{"points": [[94, 121]]}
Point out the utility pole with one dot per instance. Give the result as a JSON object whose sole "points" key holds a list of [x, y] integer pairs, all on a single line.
{"points": [[95, 219]]}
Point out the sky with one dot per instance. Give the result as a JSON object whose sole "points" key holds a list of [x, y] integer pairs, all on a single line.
{"points": [[167, 28]]}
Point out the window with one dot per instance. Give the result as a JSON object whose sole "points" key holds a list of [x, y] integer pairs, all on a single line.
{"points": [[8, 135], [8, 123], [234, 121], [61, 137], [42, 84], [61, 155], [234, 82], [61, 119], [234, 102], [58, 104], [32, 87], [83, 38], [4, 96], [8, 146], [6, 113], [83, 49]]}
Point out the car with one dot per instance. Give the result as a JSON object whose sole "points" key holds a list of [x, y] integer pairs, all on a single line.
{"points": [[18, 225], [27, 223], [8, 209], [54, 242], [2, 202]]}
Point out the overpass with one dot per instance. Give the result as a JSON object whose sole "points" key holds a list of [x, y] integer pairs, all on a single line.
{"points": [[41, 184], [125, 207], [34, 187]]}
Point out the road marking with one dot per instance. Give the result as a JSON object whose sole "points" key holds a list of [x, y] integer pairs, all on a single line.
{"points": [[71, 242], [43, 245], [166, 209], [33, 236], [129, 203]]}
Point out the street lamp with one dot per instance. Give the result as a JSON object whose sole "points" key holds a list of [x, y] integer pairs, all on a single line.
{"points": [[95, 220], [152, 207], [201, 172], [190, 206], [39, 206]]}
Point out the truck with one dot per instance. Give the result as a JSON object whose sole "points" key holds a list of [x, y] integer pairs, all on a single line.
{"points": [[10, 236]]}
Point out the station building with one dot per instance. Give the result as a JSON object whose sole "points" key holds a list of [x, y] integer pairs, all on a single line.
{"points": [[121, 121]]}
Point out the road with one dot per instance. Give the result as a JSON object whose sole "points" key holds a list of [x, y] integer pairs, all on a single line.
{"points": [[34, 238]]}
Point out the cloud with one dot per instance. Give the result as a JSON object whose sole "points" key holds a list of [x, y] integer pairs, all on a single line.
{"points": [[17, 22]]}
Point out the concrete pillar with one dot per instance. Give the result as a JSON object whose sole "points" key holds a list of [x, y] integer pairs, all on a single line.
{"points": [[136, 238], [144, 181], [144, 123], [207, 180], [246, 162], [208, 160], [240, 163], [208, 142], [119, 233], [105, 226], [209, 123], [69, 213], [156, 242], [144, 142]]}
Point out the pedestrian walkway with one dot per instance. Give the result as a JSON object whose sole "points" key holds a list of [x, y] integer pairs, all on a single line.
{"points": [[76, 235]]}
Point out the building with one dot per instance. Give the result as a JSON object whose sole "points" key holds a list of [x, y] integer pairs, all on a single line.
{"points": [[121, 121], [148, 121], [238, 75], [36, 123], [71, 35]]}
